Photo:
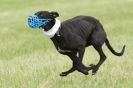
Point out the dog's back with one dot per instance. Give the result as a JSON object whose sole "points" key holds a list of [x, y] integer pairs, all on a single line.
{"points": [[82, 26]]}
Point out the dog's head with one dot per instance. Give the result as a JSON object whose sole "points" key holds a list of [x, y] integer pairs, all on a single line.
{"points": [[46, 15], [42, 19]]}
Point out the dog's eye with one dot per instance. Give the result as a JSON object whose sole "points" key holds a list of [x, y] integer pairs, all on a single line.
{"points": [[41, 15]]}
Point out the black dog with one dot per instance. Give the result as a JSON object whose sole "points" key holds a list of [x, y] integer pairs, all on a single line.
{"points": [[74, 35]]}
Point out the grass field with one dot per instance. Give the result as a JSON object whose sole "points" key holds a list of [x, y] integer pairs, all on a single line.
{"points": [[28, 59]]}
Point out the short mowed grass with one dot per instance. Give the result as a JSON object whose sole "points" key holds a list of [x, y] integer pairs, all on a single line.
{"points": [[28, 59]]}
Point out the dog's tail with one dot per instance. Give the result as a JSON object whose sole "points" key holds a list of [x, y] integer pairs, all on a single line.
{"points": [[112, 50]]}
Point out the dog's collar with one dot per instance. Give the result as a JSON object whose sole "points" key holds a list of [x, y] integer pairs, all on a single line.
{"points": [[50, 33]]}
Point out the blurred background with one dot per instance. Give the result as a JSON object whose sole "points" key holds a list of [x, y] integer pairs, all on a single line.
{"points": [[28, 58]]}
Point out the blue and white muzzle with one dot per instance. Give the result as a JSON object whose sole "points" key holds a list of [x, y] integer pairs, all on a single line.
{"points": [[35, 22]]}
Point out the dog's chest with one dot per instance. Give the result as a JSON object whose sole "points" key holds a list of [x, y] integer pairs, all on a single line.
{"points": [[63, 51], [61, 45]]}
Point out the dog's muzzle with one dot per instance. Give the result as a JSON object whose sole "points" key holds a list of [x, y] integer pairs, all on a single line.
{"points": [[35, 22]]}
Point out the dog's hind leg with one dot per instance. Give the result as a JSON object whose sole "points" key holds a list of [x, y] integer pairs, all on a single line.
{"points": [[102, 59]]}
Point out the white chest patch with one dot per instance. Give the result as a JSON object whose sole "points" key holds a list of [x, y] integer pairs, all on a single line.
{"points": [[53, 30]]}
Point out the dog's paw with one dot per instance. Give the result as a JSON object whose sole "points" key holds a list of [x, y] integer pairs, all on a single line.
{"points": [[63, 74], [86, 68], [94, 70], [84, 71]]}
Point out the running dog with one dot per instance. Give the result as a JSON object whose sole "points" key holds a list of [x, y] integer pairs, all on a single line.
{"points": [[72, 36]]}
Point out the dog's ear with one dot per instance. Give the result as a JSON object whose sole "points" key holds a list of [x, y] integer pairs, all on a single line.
{"points": [[54, 14]]}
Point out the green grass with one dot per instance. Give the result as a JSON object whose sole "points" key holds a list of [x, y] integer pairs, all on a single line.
{"points": [[28, 59]]}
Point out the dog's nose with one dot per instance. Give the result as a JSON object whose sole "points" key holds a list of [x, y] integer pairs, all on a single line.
{"points": [[32, 21]]}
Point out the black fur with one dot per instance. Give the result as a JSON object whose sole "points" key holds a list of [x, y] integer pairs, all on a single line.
{"points": [[74, 36]]}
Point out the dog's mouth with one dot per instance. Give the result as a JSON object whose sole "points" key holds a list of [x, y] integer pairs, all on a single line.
{"points": [[35, 22], [42, 19]]}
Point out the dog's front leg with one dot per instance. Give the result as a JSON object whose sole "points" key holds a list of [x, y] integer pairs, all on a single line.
{"points": [[80, 66], [68, 72], [73, 57], [77, 62]]}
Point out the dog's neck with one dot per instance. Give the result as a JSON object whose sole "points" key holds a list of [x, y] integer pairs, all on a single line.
{"points": [[49, 25], [51, 28]]}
